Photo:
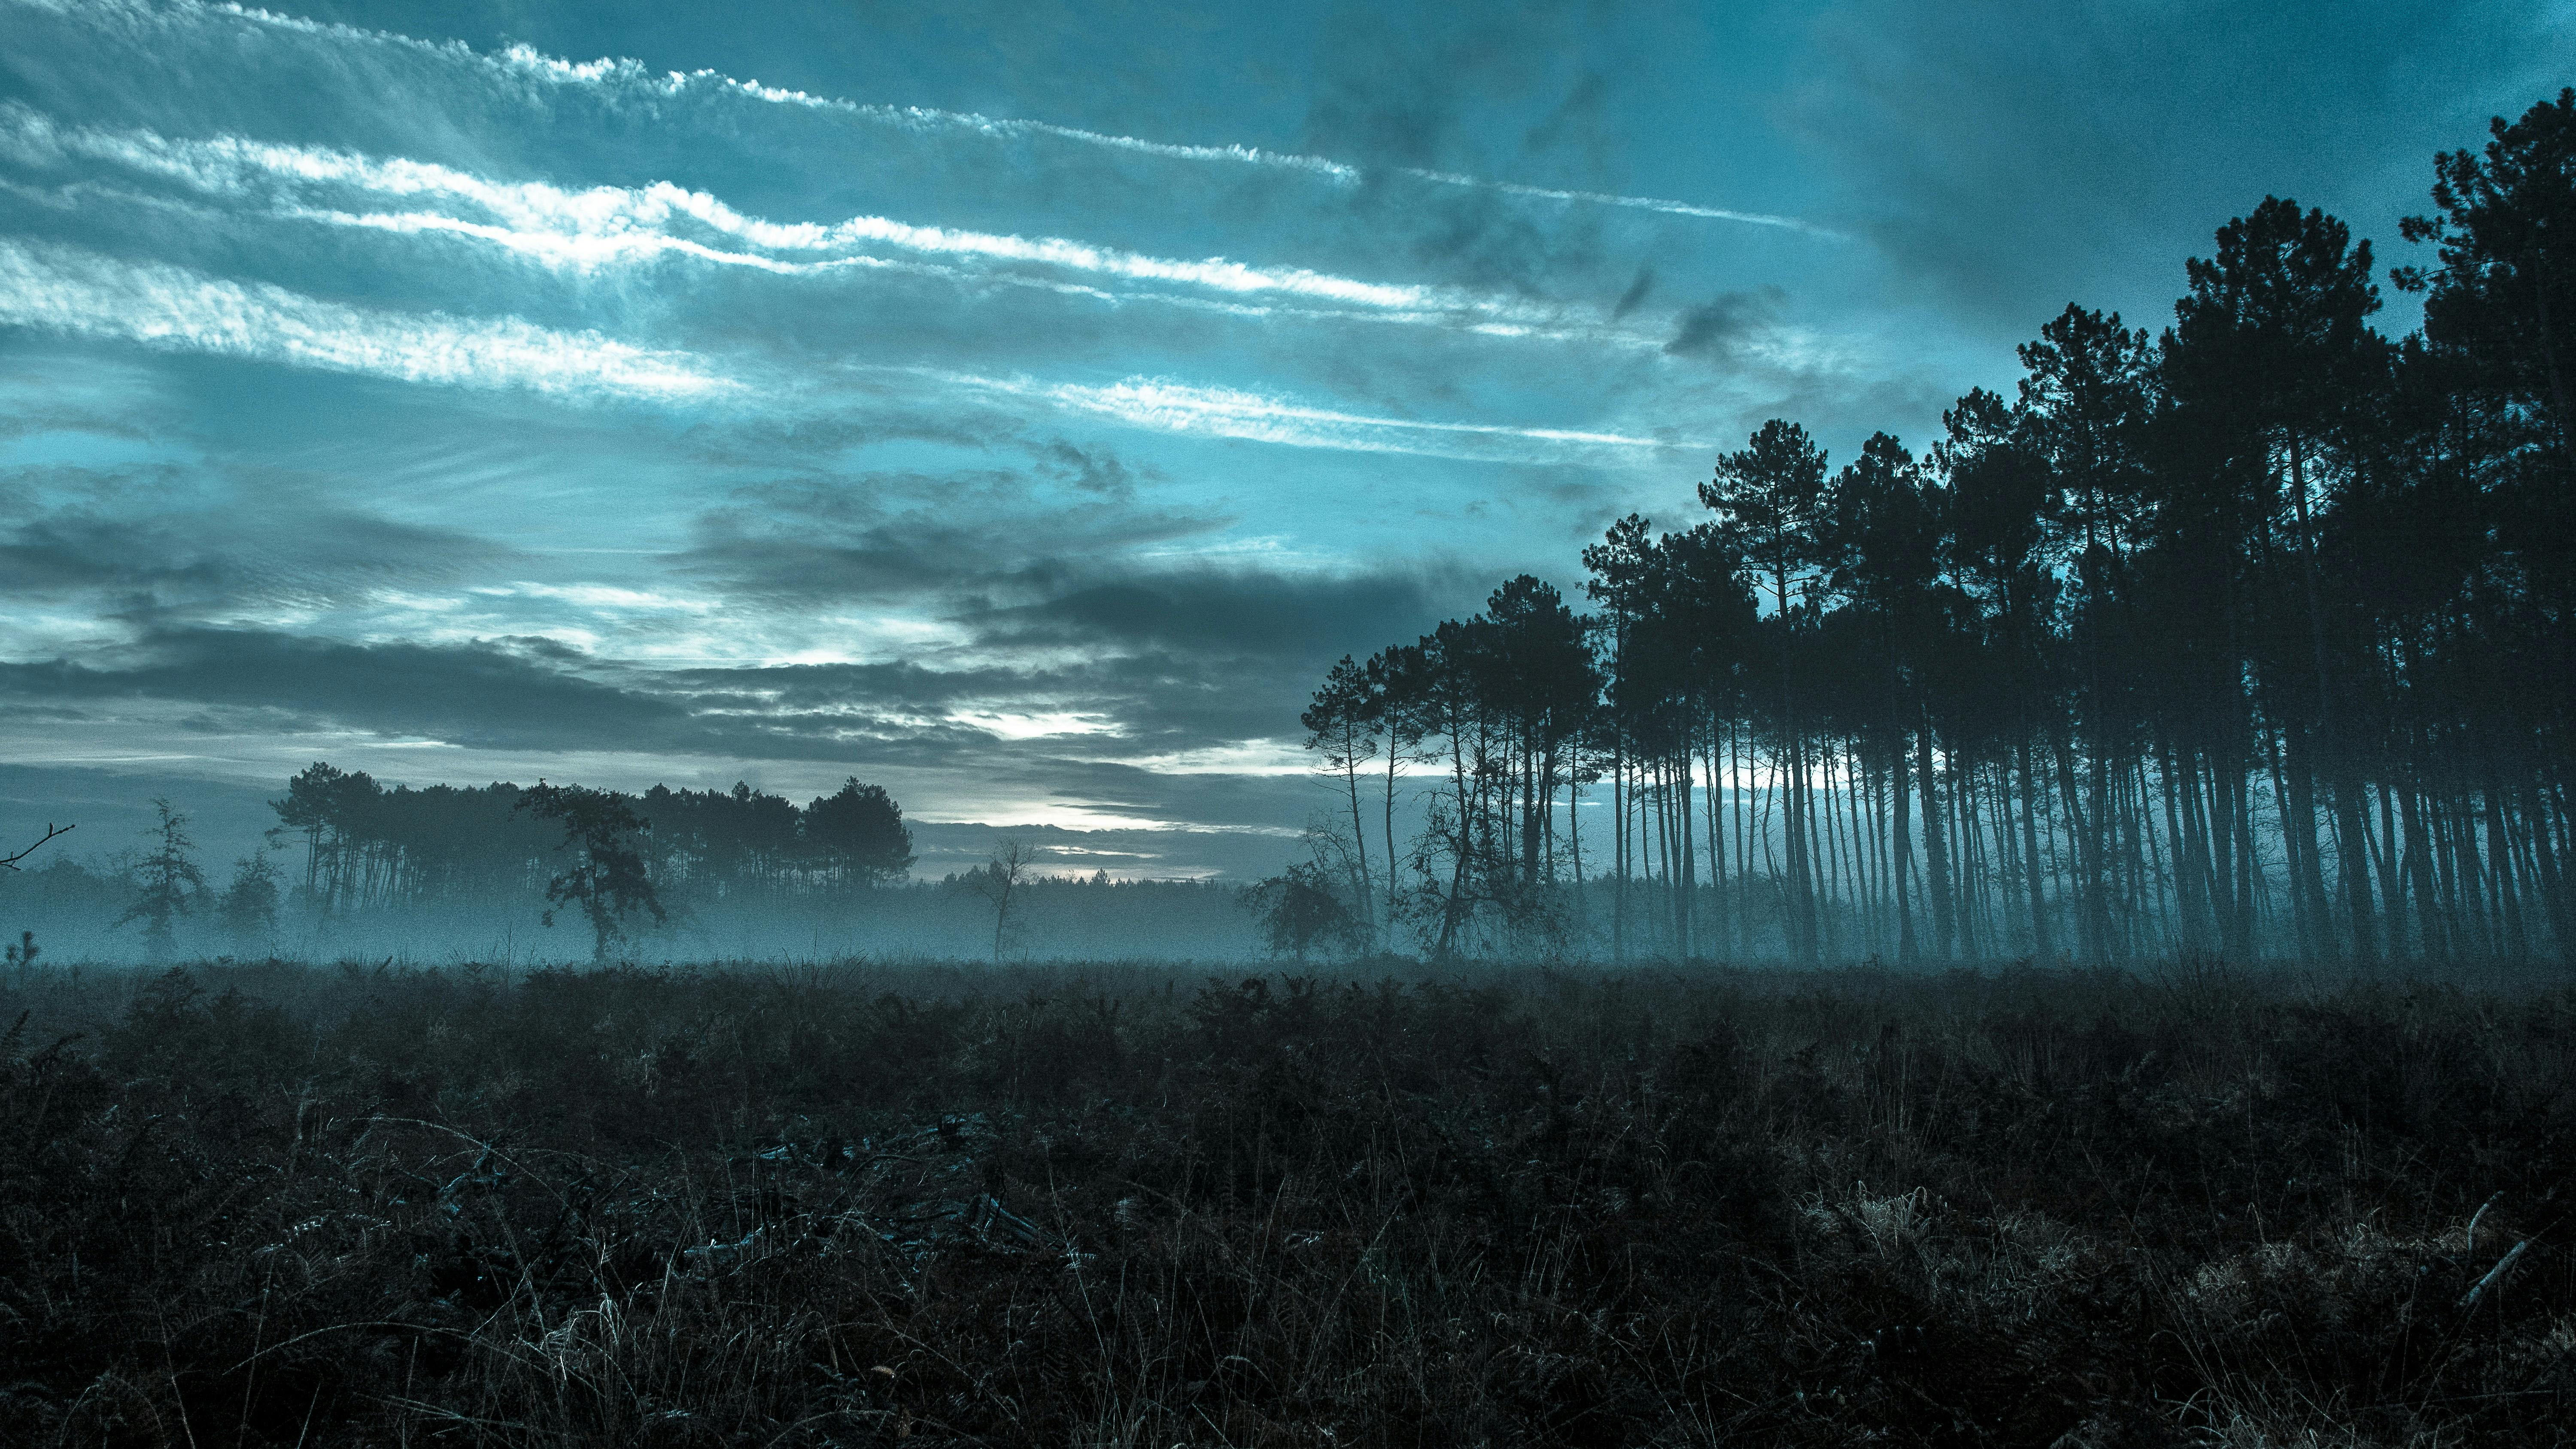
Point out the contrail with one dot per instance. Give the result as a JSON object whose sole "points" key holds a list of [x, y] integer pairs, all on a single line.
{"points": [[613, 75], [919, 118], [1167, 406], [531, 62], [1637, 203], [604, 225], [1185, 408]]}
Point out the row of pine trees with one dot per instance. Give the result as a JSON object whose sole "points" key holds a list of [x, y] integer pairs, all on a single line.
{"points": [[2248, 636], [372, 847]]}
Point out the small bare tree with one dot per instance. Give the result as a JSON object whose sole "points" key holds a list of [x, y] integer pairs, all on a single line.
{"points": [[998, 880]]}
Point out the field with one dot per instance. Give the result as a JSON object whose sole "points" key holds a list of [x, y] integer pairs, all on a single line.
{"points": [[283, 1205]]}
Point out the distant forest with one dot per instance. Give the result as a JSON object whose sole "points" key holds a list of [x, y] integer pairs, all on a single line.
{"points": [[2248, 637], [369, 847], [360, 868]]}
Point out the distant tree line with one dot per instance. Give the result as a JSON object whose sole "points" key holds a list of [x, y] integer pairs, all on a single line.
{"points": [[367, 846], [357, 867], [2251, 635]]}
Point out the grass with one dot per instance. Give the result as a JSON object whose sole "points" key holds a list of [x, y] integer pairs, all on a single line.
{"points": [[285, 1205]]}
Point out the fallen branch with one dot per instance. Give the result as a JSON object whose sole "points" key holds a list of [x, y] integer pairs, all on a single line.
{"points": [[2469, 1299]]}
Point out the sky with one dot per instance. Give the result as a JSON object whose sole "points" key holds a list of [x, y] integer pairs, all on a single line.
{"points": [[1017, 404]]}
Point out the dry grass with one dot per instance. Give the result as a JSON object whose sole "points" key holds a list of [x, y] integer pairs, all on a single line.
{"points": [[288, 1206]]}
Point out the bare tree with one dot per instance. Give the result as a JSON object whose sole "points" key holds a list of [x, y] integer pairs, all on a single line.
{"points": [[998, 880]]}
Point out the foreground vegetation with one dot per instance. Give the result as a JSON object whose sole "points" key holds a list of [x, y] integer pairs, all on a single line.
{"points": [[276, 1204]]}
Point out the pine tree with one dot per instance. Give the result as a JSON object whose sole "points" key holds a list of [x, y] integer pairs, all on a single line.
{"points": [[167, 881]]}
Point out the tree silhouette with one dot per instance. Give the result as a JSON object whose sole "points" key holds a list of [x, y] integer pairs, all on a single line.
{"points": [[371, 847], [1878, 540], [2002, 503], [859, 830], [1298, 910], [1770, 494], [607, 878], [2273, 341], [2506, 290], [2252, 637], [247, 909], [167, 881], [1342, 724], [999, 881], [1397, 685]]}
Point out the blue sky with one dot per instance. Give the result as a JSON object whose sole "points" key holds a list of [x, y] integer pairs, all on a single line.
{"points": [[1019, 404]]}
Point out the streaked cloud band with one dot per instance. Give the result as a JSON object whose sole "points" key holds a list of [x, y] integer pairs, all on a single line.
{"points": [[79, 293], [602, 225], [626, 77], [1166, 405]]}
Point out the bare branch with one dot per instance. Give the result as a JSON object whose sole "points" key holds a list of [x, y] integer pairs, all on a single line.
{"points": [[51, 830]]}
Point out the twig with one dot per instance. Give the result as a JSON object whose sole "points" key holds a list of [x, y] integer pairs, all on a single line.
{"points": [[2471, 1243], [51, 830]]}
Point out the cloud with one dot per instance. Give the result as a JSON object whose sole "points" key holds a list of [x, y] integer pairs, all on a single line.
{"points": [[605, 226], [216, 554], [1011, 575], [629, 81], [1719, 330], [1638, 290], [1240, 801], [465, 694], [1638, 203], [882, 538], [492, 695], [1172, 406], [1096, 471], [83, 294], [1302, 618], [80, 293], [1028, 609], [1169, 406], [499, 696], [941, 468]]}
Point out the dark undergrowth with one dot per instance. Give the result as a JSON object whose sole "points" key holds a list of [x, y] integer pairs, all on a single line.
{"points": [[279, 1205]]}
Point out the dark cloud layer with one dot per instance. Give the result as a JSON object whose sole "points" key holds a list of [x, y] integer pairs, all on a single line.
{"points": [[1173, 661], [475, 695], [193, 558], [1230, 614]]}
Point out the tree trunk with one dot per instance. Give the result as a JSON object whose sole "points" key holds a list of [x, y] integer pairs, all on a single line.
{"points": [[1907, 951], [1936, 850]]}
